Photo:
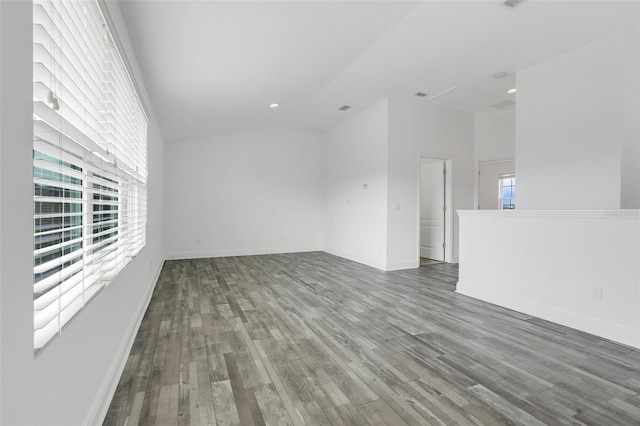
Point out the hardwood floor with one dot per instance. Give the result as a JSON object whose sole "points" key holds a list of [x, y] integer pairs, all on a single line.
{"points": [[311, 338], [425, 261]]}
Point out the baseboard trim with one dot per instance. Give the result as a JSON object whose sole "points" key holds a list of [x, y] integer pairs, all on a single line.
{"points": [[407, 264], [99, 408], [347, 256], [624, 335], [237, 252]]}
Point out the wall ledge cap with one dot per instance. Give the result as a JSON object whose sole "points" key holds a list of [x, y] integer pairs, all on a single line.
{"points": [[603, 214]]}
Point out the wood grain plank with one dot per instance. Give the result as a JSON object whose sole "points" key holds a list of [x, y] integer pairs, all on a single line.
{"points": [[206, 409], [168, 401], [237, 388], [310, 338], [224, 404], [188, 411], [271, 406], [136, 409]]}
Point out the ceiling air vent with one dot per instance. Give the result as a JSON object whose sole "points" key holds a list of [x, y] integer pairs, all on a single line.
{"points": [[512, 3], [420, 94], [344, 108], [503, 104]]}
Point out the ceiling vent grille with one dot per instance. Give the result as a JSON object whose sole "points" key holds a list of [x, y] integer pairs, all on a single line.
{"points": [[503, 104], [344, 108], [512, 3]]}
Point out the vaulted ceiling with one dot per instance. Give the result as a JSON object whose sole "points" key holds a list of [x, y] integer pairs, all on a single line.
{"points": [[214, 67]]}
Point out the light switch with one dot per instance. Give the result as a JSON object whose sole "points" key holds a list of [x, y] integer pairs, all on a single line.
{"points": [[396, 206]]}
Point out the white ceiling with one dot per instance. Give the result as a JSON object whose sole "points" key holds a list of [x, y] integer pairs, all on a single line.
{"points": [[213, 67]]}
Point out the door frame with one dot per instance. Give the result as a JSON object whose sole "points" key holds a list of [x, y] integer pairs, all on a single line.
{"points": [[448, 215]]}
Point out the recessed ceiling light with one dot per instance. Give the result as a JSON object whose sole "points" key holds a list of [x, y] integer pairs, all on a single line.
{"points": [[344, 107], [499, 74], [511, 91], [421, 94], [274, 105]]}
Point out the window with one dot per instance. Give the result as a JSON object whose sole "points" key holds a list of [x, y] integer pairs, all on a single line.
{"points": [[507, 194], [89, 161]]}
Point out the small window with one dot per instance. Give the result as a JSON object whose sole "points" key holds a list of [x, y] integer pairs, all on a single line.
{"points": [[507, 194]]}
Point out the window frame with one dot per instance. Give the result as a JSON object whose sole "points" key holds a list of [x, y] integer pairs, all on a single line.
{"points": [[76, 56], [501, 186]]}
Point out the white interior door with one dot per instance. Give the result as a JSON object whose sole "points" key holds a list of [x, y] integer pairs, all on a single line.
{"points": [[432, 213]]}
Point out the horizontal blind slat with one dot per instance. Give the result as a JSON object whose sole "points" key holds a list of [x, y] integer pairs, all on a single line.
{"points": [[90, 161]]}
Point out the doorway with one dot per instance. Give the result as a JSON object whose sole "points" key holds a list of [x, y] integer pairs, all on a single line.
{"points": [[490, 192], [434, 218]]}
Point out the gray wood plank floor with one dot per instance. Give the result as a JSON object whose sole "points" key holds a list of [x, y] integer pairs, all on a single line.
{"points": [[310, 338]]}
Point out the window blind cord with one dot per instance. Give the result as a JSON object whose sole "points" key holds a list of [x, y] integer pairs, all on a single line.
{"points": [[52, 99], [55, 105]]}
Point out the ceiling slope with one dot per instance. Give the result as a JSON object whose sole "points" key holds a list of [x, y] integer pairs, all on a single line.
{"points": [[213, 67]]}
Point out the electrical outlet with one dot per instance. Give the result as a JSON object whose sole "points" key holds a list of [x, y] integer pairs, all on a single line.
{"points": [[597, 293]]}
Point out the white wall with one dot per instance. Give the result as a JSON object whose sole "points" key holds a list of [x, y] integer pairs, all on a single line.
{"points": [[494, 139], [572, 119], [506, 258], [494, 135], [245, 193], [577, 136], [16, 204], [417, 130], [630, 161], [355, 153], [488, 183], [2, 83], [71, 381]]}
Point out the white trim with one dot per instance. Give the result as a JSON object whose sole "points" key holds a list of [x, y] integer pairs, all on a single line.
{"points": [[448, 216], [100, 406], [237, 252], [572, 214], [381, 266], [624, 335], [407, 264], [394, 266], [449, 237], [507, 160]]}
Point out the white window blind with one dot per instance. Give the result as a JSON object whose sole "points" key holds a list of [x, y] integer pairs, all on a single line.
{"points": [[89, 161]]}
